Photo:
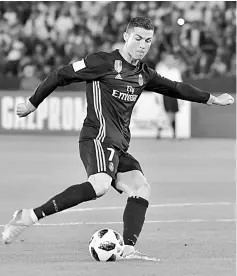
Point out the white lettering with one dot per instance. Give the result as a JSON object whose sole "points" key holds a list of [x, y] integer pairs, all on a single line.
{"points": [[54, 114], [41, 114], [124, 96], [132, 98], [30, 124], [112, 151], [130, 89], [67, 114], [115, 93], [79, 110], [19, 123]]}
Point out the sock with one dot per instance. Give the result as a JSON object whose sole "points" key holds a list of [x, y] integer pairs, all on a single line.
{"points": [[174, 128], [33, 216], [72, 196], [133, 219]]}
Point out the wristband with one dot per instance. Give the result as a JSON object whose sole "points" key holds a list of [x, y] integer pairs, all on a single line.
{"points": [[30, 106], [211, 100]]}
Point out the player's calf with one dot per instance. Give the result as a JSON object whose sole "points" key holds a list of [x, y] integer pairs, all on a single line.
{"points": [[136, 186], [70, 197]]}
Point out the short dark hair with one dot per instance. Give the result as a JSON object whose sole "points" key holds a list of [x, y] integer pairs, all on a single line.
{"points": [[141, 22]]}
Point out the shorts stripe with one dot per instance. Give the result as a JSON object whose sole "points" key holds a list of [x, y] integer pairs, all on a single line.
{"points": [[100, 157], [103, 155], [97, 156]]}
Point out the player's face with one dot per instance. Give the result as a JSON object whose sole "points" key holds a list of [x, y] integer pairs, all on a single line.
{"points": [[138, 42]]}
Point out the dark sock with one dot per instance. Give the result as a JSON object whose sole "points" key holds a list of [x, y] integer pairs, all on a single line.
{"points": [[174, 128], [72, 196], [133, 219]]}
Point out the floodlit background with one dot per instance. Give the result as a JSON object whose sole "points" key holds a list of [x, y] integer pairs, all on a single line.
{"points": [[190, 224]]}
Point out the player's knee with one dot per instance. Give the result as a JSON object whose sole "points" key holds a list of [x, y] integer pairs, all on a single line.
{"points": [[134, 183], [144, 190], [100, 182], [141, 187]]}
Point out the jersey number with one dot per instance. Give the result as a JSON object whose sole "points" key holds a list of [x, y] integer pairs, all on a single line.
{"points": [[111, 153]]}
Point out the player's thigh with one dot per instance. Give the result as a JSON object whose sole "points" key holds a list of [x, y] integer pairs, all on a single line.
{"points": [[98, 157], [101, 162], [130, 177]]}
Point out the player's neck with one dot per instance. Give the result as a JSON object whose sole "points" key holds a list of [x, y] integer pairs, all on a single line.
{"points": [[128, 57]]}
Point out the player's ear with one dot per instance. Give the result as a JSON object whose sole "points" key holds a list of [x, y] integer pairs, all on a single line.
{"points": [[125, 36]]}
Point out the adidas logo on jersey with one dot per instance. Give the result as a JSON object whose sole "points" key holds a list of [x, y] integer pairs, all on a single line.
{"points": [[118, 68], [118, 77]]}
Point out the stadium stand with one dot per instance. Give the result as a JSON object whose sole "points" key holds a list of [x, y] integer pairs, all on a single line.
{"points": [[37, 37]]}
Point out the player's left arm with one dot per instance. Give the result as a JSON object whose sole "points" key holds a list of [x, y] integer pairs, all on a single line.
{"points": [[185, 91]]}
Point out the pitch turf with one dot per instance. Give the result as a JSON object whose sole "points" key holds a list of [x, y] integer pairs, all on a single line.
{"points": [[190, 224]]}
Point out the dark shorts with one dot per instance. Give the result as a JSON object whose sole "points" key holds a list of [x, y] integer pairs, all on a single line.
{"points": [[103, 157]]}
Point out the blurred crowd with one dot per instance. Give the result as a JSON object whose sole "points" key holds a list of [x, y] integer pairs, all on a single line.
{"points": [[37, 37]]}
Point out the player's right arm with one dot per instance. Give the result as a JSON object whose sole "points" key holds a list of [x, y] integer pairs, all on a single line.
{"points": [[92, 67]]}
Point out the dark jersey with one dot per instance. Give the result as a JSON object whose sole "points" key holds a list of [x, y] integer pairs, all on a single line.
{"points": [[113, 87]]}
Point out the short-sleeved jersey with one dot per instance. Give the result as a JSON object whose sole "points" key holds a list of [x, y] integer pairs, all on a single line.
{"points": [[113, 87]]}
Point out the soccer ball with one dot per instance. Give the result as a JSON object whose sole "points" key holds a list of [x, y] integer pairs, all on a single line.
{"points": [[106, 245]]}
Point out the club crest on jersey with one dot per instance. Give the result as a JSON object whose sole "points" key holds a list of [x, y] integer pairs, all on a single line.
{"points": [[140, 79], [118, 68], [111, 166]]}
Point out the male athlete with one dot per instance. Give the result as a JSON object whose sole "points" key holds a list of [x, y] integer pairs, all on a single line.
{"points": [[114, 83]]}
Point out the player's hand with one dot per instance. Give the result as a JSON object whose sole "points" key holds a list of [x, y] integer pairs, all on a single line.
{"points": [[22, 110], [224, 99]]}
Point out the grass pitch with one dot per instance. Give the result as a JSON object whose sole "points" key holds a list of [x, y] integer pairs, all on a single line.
{"points": [[190, 224]]}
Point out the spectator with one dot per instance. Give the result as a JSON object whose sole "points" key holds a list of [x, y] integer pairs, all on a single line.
{"points": [[70, 30], [208, 47], [169, 67]]}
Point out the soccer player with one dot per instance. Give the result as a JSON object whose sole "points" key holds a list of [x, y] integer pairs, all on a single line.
{"points": [[114, 83]]}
